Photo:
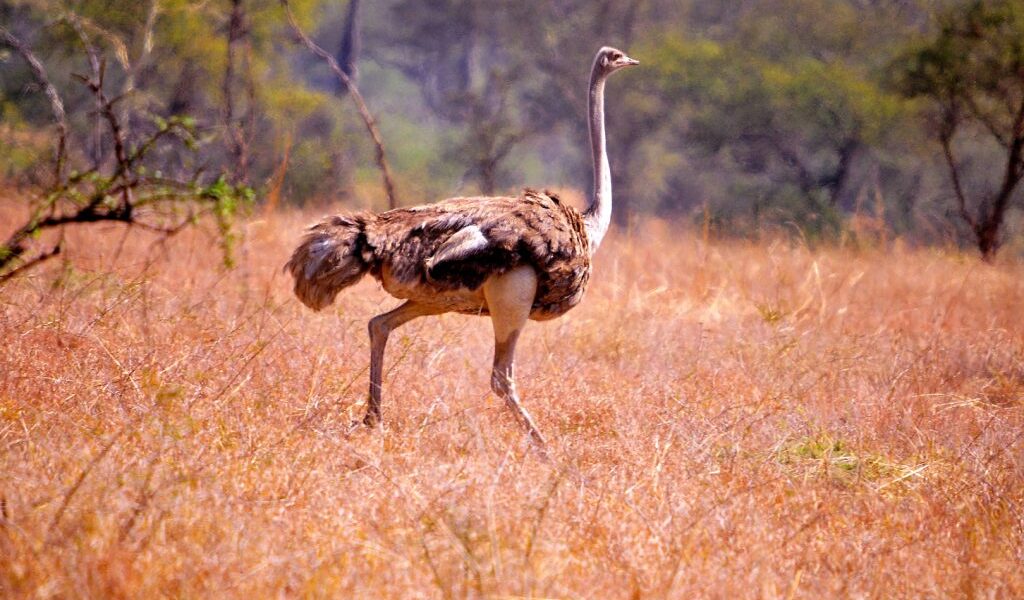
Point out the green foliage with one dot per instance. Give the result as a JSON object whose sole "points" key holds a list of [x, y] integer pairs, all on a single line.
{"points": [[837, 460], [971, 69], [787, 128], [976, 56], [130, 192], [228, 200]]}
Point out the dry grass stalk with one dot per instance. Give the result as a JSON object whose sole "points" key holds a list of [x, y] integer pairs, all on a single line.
{"points": [[740, 420]]}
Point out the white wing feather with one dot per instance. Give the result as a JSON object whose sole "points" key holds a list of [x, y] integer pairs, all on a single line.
{"points": [[461, 244]]}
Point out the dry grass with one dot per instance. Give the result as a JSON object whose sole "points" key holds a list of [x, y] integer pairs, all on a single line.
{"points": [[728, 420]]}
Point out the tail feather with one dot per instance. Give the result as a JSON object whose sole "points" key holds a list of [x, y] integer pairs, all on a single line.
{"points": [[332, 256]]}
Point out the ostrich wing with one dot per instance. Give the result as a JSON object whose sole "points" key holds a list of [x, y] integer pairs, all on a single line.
{"points": [[462, 244], [467, 257]]}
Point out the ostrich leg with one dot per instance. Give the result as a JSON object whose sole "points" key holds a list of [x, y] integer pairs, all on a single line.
{"points": [[509, 300], [380, 327]]}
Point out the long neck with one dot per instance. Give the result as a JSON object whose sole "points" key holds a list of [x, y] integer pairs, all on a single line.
{"points": [[599, 213]]}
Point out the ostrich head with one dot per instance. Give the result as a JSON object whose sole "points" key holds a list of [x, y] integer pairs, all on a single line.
{"points": [[610, 60]]}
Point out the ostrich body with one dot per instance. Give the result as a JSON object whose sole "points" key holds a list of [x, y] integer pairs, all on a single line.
{"points": [[512, 258]]}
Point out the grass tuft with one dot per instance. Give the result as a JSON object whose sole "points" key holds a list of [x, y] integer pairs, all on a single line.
{"points": [[726, 419]]}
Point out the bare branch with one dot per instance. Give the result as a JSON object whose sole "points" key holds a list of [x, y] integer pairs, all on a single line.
{"points": [[104, 105], [986, 120], [946, 139], [140, 152], [45, 256], [364, 112], [133, 68], [154, 203], [75, 22], [1014, 168], [56, 104]]}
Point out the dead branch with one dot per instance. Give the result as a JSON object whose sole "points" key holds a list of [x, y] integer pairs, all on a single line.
{"points": [[56, 104], [134, 67], [75, 23], [364, 112], [124, 164], [25, 266], [87, 197], [127, 191]]}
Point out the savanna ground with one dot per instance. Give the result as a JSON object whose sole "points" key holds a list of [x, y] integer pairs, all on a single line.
{"points": [[726, 419]]}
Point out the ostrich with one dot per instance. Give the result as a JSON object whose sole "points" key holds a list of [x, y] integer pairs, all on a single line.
{"points": [[512, 258]]}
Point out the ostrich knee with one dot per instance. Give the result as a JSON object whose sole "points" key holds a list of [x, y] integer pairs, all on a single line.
{"points": [[378, 328]]}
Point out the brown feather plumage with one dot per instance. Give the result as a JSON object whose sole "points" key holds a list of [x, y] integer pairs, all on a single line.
{"points": [[400, 248], [331, 257]]}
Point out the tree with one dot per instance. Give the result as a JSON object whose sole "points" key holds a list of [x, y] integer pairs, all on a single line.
{"points": [[357, 98], [459, 54], [790, 131], [128, 190], [972, 73]]}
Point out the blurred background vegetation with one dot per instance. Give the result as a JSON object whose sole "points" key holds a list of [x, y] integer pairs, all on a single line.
{"points": [[831, 119]]}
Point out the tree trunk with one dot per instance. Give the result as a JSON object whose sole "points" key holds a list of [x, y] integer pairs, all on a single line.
{"points": [[239, 147], [987, 231], [987, 236], [488, 176], [837, 185], [988, 228], [351, 44]]}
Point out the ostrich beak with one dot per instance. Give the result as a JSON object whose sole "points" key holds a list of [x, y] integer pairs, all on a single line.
{"points": [[631, 61]]}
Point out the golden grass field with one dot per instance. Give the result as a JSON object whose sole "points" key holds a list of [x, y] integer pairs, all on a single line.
{"points": [[726, 419]]}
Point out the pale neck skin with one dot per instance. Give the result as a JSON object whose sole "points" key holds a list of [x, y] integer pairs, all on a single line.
{"points": [[599, 214]]}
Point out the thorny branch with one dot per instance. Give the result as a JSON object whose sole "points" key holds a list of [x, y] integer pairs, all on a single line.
{"points": [[162, 205], [364, 112]]}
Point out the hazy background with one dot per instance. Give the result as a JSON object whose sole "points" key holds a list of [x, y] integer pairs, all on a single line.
{"points": [[746, 115]]}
